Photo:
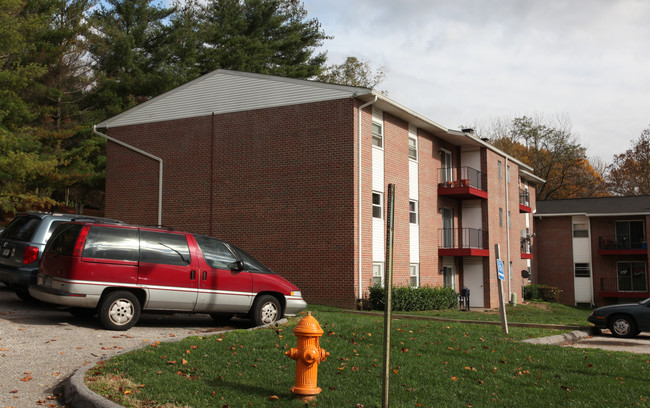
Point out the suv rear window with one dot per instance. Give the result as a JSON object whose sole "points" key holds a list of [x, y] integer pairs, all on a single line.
{"points": [[21, 229], [119, 244], [63, 240]]}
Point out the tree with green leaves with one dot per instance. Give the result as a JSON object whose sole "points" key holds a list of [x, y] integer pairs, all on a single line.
{"points": [[354, 72], [126, 43], [263, 36], [628, 174], [554, 153]]}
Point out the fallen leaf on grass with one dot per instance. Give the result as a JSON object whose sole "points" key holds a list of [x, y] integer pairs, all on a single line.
{"points": [[274, 398]]}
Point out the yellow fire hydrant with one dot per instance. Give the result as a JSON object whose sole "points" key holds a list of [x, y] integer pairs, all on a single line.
{"points": [[308, 355]]}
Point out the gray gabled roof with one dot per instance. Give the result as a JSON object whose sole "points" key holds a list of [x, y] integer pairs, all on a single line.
{"points": [[224, 91], [594, 207]]}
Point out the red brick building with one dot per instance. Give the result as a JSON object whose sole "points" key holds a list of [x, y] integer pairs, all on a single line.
{"points": [[296, 172], [594, 249]]}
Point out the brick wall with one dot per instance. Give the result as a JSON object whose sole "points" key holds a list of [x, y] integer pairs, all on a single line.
{"points": [[282, 189], [553, 255]]}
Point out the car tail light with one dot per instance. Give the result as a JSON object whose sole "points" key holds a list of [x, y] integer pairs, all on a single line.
{"points": [[30, 255]]}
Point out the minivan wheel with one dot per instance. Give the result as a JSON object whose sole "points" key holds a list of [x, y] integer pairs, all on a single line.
{"points": [[266, 310], [119, 310], [24, 295], [622, 326]]}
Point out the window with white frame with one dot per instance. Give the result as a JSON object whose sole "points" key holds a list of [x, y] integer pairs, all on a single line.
{"points": [[413, 148], [499, 169], [378, 274], [377, 205], [580, 230], [582, 270], [377, 134], [415, 275], [500, 217], [413, 212]]}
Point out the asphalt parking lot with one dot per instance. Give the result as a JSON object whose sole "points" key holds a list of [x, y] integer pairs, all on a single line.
{"points": [[42, 345]]}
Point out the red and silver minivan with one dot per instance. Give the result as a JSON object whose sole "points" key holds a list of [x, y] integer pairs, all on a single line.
{"points": [[117, 271]]}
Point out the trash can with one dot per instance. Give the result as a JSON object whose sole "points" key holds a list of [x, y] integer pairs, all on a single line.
{"points": [[463, 299]]}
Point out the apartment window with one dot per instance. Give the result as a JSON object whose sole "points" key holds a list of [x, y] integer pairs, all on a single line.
{"points": [[509, 220], [447, 166], [632, 276], [377, 274], [448, 278], [580, 231], [377, 134], [415, 275], [413, 148], [377, 205], [500, 217], [582, 270], [499, 169], [413, 212]]}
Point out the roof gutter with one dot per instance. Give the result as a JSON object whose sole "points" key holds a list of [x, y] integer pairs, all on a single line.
{"points": [[142, 152], [360, 200]]}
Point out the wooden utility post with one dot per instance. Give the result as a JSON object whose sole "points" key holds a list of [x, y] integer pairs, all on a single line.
{"points": [[388, 287]]}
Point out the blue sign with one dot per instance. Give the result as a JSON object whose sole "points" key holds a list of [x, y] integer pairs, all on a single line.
{"points": [[500, 270]]}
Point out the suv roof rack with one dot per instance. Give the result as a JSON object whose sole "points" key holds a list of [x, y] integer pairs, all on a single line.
{"points": [[102, 220]]}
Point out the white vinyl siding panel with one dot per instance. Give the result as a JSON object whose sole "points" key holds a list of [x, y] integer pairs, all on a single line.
{"points": [[414, 243], [378, 247], [413, 180], [377, 169], [224, 91], [581, 245]]}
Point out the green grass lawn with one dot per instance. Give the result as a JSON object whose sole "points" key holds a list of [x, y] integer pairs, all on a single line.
{"points": [[433, 364]]}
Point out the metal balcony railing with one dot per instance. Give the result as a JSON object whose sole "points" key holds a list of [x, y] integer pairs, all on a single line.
{"points": [[469, 177], [463, 238], [623, 285], [621, 242]]}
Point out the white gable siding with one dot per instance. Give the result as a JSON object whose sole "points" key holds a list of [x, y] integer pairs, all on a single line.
{"points": [[225, 91]]}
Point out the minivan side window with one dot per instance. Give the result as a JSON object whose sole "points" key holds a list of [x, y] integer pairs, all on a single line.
{"points": [[119, 244], [164, 248], [215, 253], [251, 264], [63, 240]]}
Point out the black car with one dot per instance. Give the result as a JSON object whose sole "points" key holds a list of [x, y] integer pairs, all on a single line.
{"points": [[22, 243], [625, 320]]}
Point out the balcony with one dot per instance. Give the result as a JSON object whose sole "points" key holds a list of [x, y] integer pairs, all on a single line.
{"points": [[524, 201], [621, 245], [463, 242], [526, 248], [468, 186], [618, 288]]}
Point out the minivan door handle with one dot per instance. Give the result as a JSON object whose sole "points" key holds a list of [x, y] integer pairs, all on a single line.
{"points": [[192, 275], [205, 275]]}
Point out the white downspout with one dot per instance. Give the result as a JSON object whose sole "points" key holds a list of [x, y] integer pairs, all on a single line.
{"points": [[135, 149], [360, 200]]}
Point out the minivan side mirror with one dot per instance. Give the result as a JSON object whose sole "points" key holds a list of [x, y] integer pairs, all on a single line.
{"points": [[237, 266]]}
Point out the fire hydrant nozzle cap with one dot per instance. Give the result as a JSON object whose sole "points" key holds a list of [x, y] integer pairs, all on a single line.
{"points": [[308, 326]]}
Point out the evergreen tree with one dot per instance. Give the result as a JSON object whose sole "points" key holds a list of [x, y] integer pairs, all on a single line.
{"points": [[263, 36]]}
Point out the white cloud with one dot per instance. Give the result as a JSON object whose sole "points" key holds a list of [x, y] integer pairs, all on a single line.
{"points": [[467, 61]]}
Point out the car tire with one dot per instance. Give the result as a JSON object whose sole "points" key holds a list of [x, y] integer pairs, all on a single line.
{"points": [[622, 326], [119, 310], [266, 310], [24, 295]]}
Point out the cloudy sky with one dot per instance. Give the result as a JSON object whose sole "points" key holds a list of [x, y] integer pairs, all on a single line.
{"points": [[469, 62]]}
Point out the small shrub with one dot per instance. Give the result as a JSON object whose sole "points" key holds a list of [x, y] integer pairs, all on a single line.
{"points": [[542, 292], [408, 299]]}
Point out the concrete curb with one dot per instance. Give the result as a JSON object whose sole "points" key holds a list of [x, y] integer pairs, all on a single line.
{"points": [[77, 395], [566, 338]]}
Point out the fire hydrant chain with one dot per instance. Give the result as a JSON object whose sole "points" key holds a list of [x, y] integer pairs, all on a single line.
{"points": [[308, 355]]}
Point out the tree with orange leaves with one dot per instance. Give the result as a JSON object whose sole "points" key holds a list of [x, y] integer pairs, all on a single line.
{"points": [[554, 153], [629, 174]]}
